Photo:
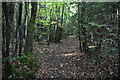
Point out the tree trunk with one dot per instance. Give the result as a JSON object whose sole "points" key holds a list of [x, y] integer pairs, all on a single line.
{"points": [[49, 28], [62, 15], [79, 28], [3, 35], [57, 27], [8, 9], [19, 23], [119, 29], [21, 30], [29, 39]]}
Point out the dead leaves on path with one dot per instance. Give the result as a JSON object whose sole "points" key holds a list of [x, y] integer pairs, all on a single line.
{"points": [[65, 60]]}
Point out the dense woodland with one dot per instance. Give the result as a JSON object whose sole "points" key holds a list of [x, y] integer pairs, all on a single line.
{"points": [[60, 40]]}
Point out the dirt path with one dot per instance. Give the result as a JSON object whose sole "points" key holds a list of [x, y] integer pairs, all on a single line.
{"points": [[64, 60]]}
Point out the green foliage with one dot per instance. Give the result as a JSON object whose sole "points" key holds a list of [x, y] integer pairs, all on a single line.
{"points": [[53, 23], [95, 24], [24, 66]]}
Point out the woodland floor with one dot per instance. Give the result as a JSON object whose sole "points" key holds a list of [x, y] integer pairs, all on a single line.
{"points": [[64, 60]]}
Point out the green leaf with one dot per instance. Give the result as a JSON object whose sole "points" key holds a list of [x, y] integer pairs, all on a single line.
{"points": [[53, 23]]}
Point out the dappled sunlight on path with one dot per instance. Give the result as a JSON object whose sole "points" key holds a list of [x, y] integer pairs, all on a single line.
{"points": [[71, 54], [64, 60]]}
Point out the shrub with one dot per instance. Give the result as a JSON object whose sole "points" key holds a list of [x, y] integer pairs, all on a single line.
{"points": [[24, 66]]}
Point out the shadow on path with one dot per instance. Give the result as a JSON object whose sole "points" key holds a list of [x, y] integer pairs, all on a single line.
{"points": [[64, 60]]}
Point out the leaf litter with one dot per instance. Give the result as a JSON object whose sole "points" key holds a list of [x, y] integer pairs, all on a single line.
{"points": [[64, 60]]}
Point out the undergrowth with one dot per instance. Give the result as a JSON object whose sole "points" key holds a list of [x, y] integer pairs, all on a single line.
{"points": [[23, 67]]}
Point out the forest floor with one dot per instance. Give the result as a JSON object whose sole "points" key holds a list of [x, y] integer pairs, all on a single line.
{"points": [[64, 60]]}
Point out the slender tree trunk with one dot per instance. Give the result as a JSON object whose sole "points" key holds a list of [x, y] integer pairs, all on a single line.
{"points": [[57, 27], [19, 23], [3, 42], [83, 29], [21, 30], [27, 18], [3, 35], [79, 28], [29, 39], [62, 15], [49, 28], [119, 30]]}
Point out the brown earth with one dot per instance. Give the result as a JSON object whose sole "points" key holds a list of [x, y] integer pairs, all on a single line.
{"points": [[64, 60]]}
